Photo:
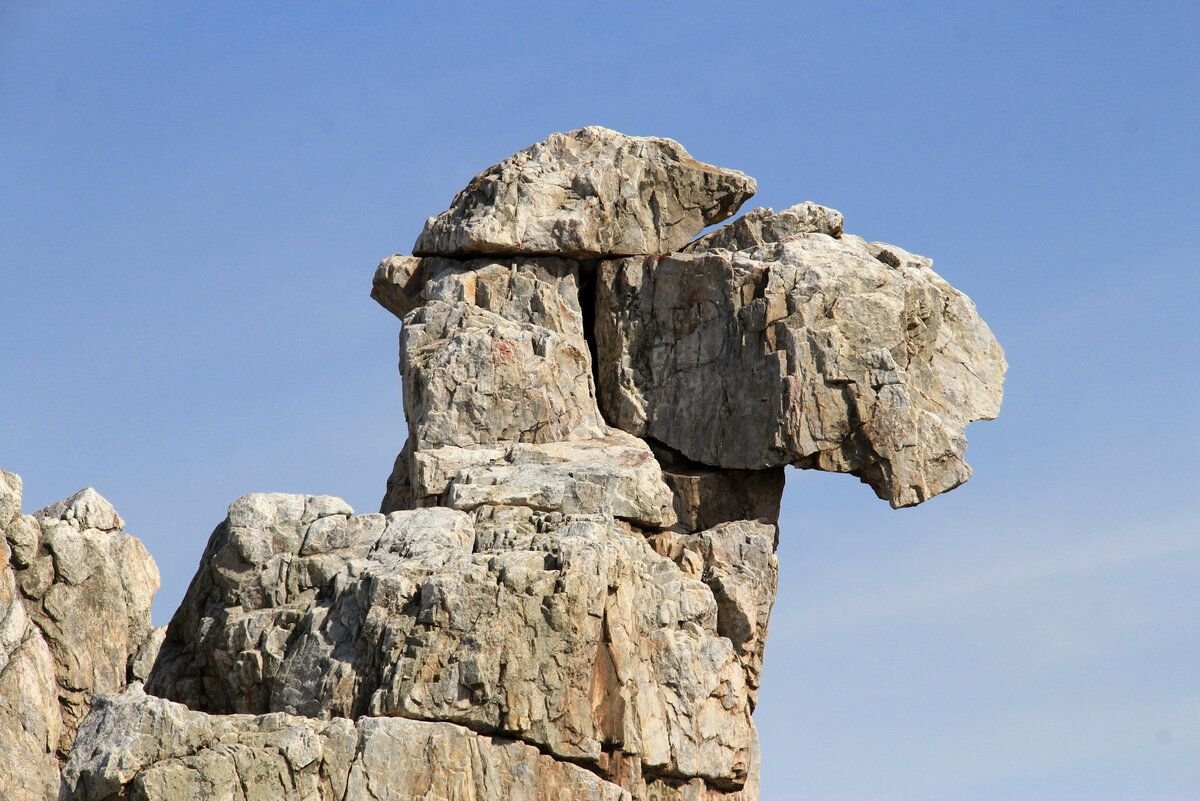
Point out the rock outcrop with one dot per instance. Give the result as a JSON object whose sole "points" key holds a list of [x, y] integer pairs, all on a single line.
{"points": [[160, 751], [566, 592], [75, 593], [583, 194], [821, 352]]}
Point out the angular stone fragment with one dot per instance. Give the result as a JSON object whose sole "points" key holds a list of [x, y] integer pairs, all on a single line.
{"points": [[87, 587], [10, 497], [586, 193], [615, 475], [565, 631], [540, 291], [473, 377], [137, 746], [812, 351], [763, 225], [737, 561]]}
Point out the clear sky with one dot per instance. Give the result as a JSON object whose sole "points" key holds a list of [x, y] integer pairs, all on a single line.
{"points": [[193, 200]]}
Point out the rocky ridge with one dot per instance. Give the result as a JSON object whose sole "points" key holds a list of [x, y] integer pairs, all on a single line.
{"points": [[566, 591]]}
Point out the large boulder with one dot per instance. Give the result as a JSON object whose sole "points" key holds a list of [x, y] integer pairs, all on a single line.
{"points": [[564, 631], [586, 193], [821, 352]]}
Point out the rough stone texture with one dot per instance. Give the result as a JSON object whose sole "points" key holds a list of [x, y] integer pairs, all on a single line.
{"points": [[541, 291], [548, 607], [614, 475], [30, 720], [814, 351], [587, 193], [566, 632], [138, 746], [475, 378], [760, 226], [75, 595], [497, 353], [706, 496], [88, 589], [737, 561]]}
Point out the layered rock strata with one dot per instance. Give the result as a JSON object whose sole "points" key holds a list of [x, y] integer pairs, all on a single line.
{"points": [[567, 590]]}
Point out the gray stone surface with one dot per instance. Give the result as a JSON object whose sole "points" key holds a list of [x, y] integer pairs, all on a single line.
{"points": [[586, 193], [141, 747], [75, 595], [737, 561], [614, 475], [565, 631], [89, 590], [814, 351], [30, 719], [762, 225]]}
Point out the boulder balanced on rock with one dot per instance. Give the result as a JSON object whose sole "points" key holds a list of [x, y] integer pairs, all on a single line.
{"points": [[567, 589]]}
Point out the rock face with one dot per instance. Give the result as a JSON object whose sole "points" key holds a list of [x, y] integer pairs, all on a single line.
{"points": [[565, 631], [822, 352], [160, 751], [587, 193], [567, 590], [75, 595]]}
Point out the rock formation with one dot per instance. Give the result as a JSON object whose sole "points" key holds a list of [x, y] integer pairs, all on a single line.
{"points": [[566, 591], [75, 593]]}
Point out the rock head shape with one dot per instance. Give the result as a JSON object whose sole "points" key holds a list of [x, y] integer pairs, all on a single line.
{"points": [[586, 193], [804, 349]]}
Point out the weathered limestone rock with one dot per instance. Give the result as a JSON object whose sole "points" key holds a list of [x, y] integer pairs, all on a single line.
{"points": [[89, 590], [564, 631], [475, 378], [548, 606], [75, 595], [614, 475], [761, 226], [737, 561], [30, 720], [586, 193], [539, 291], [813, 351], [138, 746]]}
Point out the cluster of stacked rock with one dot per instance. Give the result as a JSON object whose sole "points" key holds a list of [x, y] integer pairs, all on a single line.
{"points": [[566, 592]]}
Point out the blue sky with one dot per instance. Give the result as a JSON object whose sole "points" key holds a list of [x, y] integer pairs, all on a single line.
{"points": [[192, 202]]}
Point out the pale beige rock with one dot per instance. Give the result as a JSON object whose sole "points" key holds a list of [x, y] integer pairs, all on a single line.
{"points": [[87, 587], [737, 561], [11, 488], [540, 291], [473, 377], [397, 284], [564, 631], [30, 721], [137, 746], [614, 475], [587, 193], [763, 225], [811, 351]]}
